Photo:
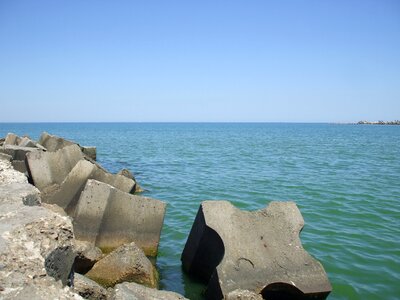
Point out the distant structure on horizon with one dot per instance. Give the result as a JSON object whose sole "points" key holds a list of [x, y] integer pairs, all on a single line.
{"points": [[396, 122]]}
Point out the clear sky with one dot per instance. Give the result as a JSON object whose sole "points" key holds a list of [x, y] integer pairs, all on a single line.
{"points": [[261, 61]]}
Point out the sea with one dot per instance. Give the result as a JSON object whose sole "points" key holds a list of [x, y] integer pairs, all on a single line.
{"points": [[344, 178]]}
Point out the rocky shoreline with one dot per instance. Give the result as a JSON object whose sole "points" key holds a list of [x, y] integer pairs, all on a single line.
{"points": [[396, 122], [69, 229]]}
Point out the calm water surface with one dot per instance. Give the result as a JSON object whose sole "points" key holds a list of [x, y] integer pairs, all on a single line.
{"points": [[344, 178]]}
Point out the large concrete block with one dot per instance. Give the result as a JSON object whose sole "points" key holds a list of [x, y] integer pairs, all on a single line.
{"points": [[53, 143], [49, 168], [66, 194], [109, 218], [259, 251], [17, 152], [12, 139], [27, 142]]}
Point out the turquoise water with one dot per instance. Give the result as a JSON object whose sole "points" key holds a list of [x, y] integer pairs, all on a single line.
{"points": [[344, 178]]}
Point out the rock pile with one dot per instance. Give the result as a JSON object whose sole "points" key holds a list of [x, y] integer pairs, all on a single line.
{"points": [[76, 217]]}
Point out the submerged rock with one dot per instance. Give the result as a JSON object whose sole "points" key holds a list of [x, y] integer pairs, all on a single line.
{"points": [[259, 251], [126, 263]]}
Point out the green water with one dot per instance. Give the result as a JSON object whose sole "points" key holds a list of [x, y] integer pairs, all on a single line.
{"points": [[344, 178]]}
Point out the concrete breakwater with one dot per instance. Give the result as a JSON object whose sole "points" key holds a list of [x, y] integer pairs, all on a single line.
{"points": [[82, 219]]}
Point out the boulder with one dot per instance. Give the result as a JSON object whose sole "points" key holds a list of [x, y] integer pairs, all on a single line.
{"points": [[36, 245], [259, 251], [109, 217], [89, 151], [134, 291], [86, 256], [12, 139], [66, 194], [89, 289], [49, 168], [126, 263], [17, 152]]}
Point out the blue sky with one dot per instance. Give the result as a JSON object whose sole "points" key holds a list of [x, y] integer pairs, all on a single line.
{"points": [[259, 61]]}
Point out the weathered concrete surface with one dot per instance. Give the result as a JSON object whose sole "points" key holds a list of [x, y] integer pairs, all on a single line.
{"points": [[53, 143], [89, 289], [20, 166], [258, 251], [17, 152], [126, 263], [66, 194], [36, 245], [243, 295], [48, 168], [86, 256], [108, 218], [134, 291], [12, 139], [27, 142]]}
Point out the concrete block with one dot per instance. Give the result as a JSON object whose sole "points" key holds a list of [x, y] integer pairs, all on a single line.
{"points": [[108, 217], [20, 166], [17, 152], [53, 143], [126, 263], [27, 142], [66, 194], [48, 168], [258, 251], [12, 139]]}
